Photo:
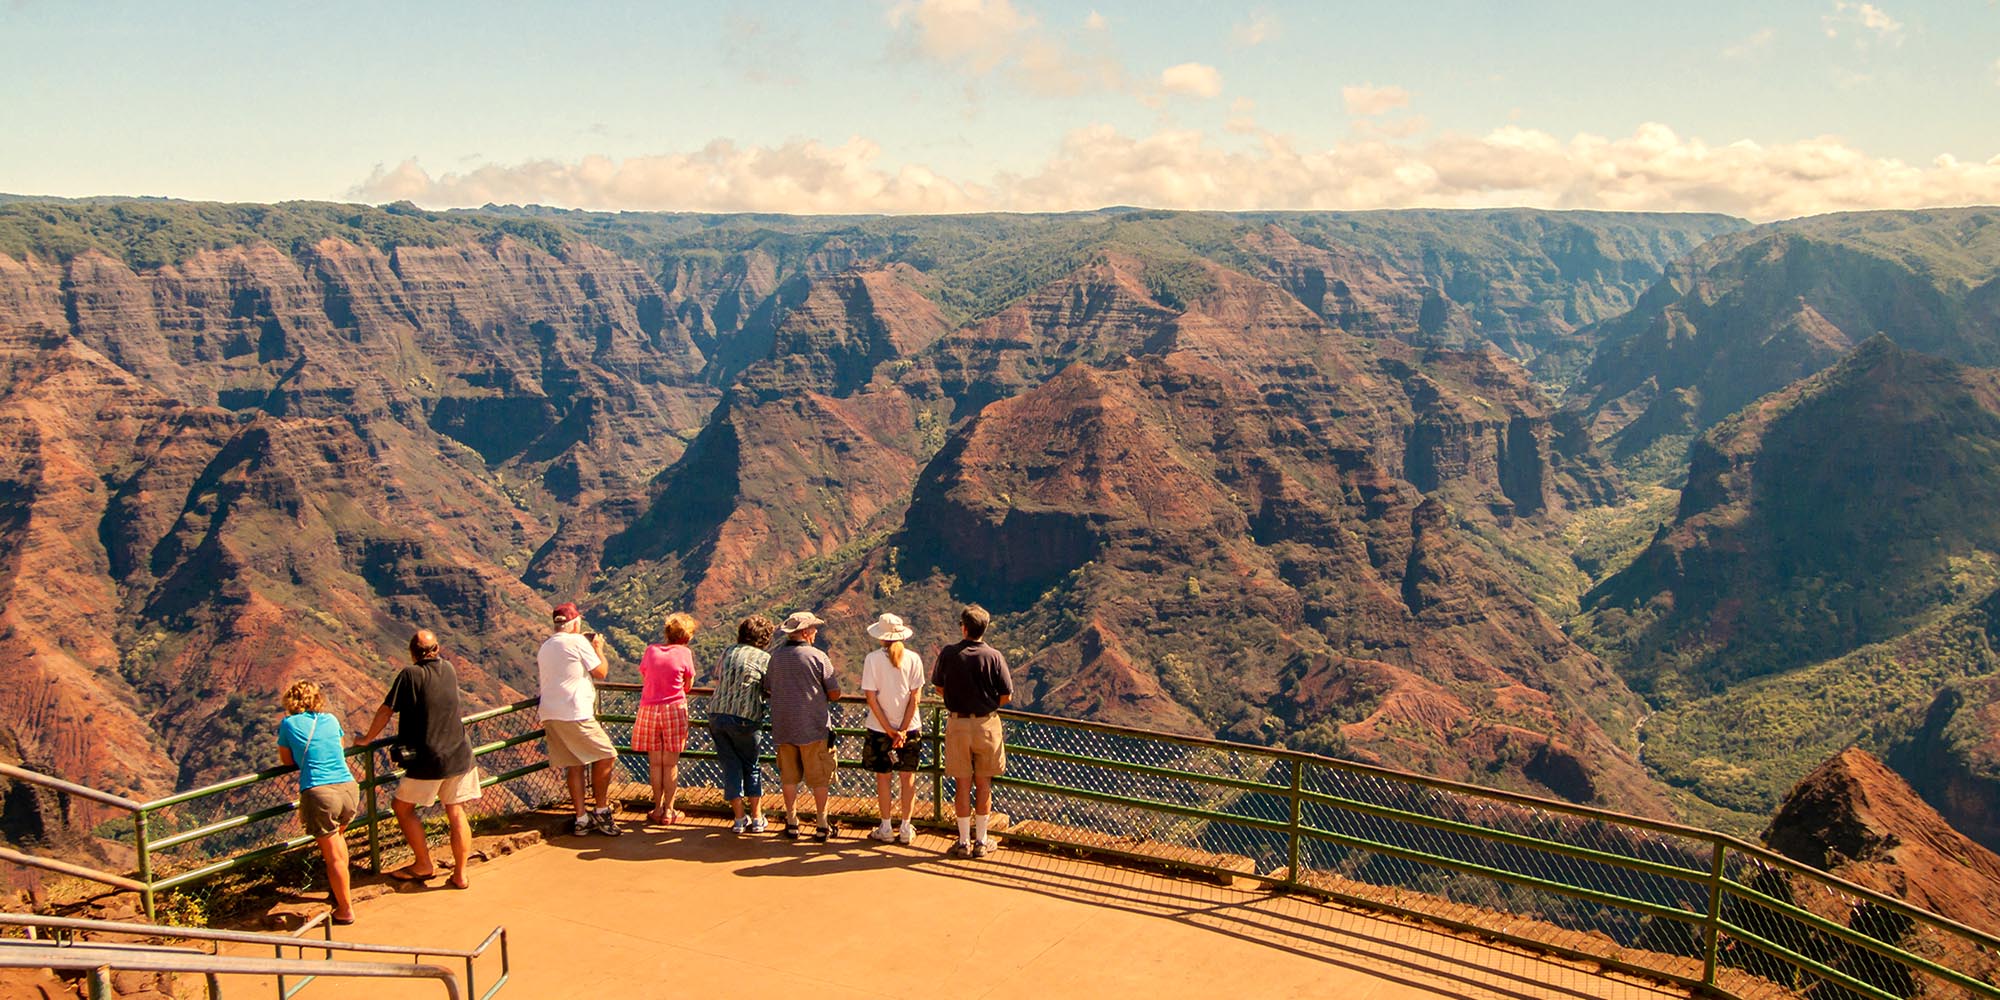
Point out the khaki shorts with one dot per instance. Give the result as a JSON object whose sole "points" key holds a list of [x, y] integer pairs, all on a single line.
{"points": [[324, 809], [973, 748], [574, 743], [455, 790], [813, 762]]}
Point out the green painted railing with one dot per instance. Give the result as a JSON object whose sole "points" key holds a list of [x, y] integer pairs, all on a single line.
{"points": [[1674, 903]]}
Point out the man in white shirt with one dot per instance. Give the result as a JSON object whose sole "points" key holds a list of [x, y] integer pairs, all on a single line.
{"points": [[892, 678], [570, 660]]}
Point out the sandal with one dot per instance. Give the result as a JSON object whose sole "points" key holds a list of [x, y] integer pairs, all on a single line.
{"points": [[407, 875], [340, 920]]}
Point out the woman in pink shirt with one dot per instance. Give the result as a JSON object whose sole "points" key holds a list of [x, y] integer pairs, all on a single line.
{"points": [[661, 730]]}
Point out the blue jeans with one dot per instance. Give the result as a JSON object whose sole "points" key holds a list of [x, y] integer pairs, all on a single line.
{"points": [[736, 750]]}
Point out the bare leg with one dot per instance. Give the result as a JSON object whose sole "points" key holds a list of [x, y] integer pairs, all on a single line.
{"points": [[791, 795], [985, 786], [884, 796], [670, 778], [961, 799], [574, 776], [413, 834], [461, 841], [909, 796], [333, 849], [819, 803], [600, 783], [656, 773]]}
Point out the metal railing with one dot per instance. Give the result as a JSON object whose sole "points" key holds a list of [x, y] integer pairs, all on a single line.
{"points": [[1674, 903], [70, 927], [97, 963]]}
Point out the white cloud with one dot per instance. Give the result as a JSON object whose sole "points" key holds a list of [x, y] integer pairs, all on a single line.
{"points": [[1368, 100], [1866, 16], [1258, 29], [984, 38], [1757, 42], [1095, 21], [802, 177], [1391, 128], [1192, 79], [1652, 169], [1242, 118]]}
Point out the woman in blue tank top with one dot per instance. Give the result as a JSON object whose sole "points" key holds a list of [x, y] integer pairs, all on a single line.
{"points": [[310, 737]]}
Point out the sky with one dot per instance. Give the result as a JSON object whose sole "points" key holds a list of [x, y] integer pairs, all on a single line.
{"points": [[1762, 110]]}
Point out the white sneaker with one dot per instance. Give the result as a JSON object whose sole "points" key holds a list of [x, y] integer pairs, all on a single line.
{"points": [[741, 824], [908, 834], [883, 834], [759, 825]]}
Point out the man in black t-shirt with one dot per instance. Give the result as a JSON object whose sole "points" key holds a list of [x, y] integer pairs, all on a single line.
{"points": [[435, 755], [974, 681]]}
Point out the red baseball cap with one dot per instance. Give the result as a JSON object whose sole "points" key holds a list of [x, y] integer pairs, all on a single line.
{"points": [[567, 613]]}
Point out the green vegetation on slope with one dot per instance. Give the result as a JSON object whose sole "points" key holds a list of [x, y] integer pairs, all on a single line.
{"points": [[1950, 246], [1743, 749], [148, 233]]}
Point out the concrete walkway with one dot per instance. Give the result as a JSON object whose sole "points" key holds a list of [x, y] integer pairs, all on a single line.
{"points": [[697, 911]]}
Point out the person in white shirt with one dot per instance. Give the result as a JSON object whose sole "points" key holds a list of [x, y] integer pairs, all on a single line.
{"points": [[892, 678], [570, 661]]}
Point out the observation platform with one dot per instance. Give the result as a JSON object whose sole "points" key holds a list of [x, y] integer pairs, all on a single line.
{"points": [[696, 910]]}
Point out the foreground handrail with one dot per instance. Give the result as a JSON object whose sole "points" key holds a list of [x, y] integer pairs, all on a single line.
{"points": [[99, 962], [241, 937], [279, 942]]}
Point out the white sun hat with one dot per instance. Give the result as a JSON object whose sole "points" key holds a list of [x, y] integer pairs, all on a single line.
{"points": [[890, 628]]}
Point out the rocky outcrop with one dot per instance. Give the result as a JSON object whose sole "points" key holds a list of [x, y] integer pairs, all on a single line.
{"points": [[1854, 818]]}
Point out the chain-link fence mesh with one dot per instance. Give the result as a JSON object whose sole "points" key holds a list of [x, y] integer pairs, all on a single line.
{"points": [[1794, 932], [851, 794], [1630, 894]]}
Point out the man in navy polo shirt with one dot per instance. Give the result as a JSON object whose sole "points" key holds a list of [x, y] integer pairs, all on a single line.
{"points": [[972, 676]]}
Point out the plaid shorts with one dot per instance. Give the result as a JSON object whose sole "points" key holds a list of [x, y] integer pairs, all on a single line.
{"points": [[661, 728]]}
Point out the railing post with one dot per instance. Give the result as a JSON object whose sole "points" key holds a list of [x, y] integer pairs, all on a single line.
{"points": [[374, 818], [1711, 928], [141, 844], [100, 984], [936, 737], [1292, 827]]}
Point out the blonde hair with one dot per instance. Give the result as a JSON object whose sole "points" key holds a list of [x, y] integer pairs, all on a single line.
{"points": [[680, 627], [895, 648], [303, 696]]}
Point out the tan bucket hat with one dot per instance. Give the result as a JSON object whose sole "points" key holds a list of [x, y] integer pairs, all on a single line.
{"points": [[799, 621]]}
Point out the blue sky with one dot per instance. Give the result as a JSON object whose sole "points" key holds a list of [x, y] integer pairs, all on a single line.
{"points": [[1765, 110]]}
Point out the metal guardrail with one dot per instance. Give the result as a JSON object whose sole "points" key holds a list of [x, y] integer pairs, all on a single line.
{"points": [[98, 963], [278, 943], [1671, 902]]}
